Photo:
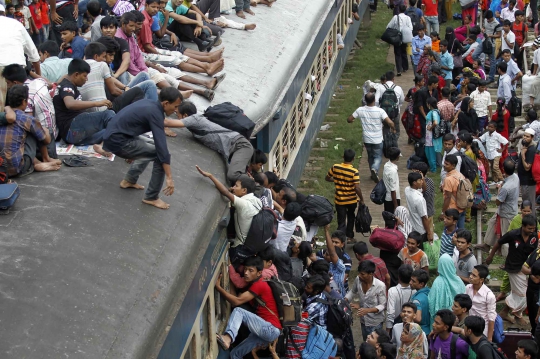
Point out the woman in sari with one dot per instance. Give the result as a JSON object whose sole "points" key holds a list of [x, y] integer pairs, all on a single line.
{"points": [[502, 118], [412, 342], [410, 120], [445, 287], [467, 119]]}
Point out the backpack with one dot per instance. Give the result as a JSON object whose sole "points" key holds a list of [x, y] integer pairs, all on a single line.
{"points": [[9, 192], [464, 196], [468, 168], [482, 196], [288, 301], [378, 194], [389, 101], [390, 139], [363, 220], [498, 331], [497, 353], [387, 239], [231, 117], [263, 228], [514, 105], [415, 19], [317, 210], [339, 317], [319, 345], [487, 46], [439, 129]]}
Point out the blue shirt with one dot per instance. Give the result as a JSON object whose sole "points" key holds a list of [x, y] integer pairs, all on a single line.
{"points": [[419, 43], [448, 61], [338, 274], [155, 24], [420, 298], [77, 46], [53, 68], [317, 311]]}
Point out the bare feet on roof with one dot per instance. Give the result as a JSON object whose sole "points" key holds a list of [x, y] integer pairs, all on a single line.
{"points": [[52, 160], [157, 203], [99, 149], [170, 132], [186, 94], [249, 11], [46, 166], [125, 184], [215, 67], [253, 3], [241, 14], [216, 55], [250, 27]]}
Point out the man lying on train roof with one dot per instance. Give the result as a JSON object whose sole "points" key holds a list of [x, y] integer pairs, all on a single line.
{"points": [[230, 144], [264, 326], [122, 139]]}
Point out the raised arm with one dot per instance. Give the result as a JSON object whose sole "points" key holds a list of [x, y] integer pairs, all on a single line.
{"points": [[330, 245], [220, 186]]}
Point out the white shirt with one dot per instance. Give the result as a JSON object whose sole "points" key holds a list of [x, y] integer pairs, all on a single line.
{"points": [[27, 16], [511, 39], [398, 90], [507, 14], [285, 232], [15, 42], [481, 102], [470, 50], [417, 208], [405, 26], [391, 180], [396, 338], [246, 208], [453, 151], [493, 142], [397, 296], [372, 118]]}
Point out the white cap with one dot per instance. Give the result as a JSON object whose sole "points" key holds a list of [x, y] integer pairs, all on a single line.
{"points": [[530, 131], [2, 8]]}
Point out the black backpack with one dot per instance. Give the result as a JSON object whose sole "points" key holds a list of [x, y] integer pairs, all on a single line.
{"points": [[468, 168], [363, 220], [378, 194], [317, 210], [497, 353], [415, 19], [339, 317], [515, 105], [389, 101], [487, 46], [263, 228], [231, 117]]}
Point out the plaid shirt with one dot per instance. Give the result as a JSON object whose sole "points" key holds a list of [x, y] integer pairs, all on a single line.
{"points": [[380, 267], [40, 104], [317, 311], [122, 7], [12, 139], [446, 108]]}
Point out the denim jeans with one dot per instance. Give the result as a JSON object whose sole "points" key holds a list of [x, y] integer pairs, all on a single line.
{"points": [[124, 78], [461, 221], [143, 152], [492, 65], [261, 331], [143, 81], [241, 5], [88, 128], [432, 23], [367, 330], [374, 152]]}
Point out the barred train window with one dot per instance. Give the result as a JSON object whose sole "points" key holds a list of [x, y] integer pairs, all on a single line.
{"points": [[205, 329]]}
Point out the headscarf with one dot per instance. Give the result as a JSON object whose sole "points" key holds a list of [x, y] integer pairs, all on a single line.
{"points": [[445, 287], [403, 214], [467, 69], [415, 350], [465, 105]]}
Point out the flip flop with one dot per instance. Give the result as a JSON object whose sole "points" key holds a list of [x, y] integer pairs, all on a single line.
{"points": [[209, 95], [221, 343], [219, 79], [77, 161]]}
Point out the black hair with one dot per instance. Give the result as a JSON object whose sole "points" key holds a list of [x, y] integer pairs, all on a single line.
{"points": [[258, 177], [481, 82], [383, 336], [272, 177], [433, 80], [528, 220], [319, 266], [416, 236], [187, 108], [464, 301], [502, 65], [148, 2], [390, 76], [447, 317], [317, 283], [18, 6], [369, 98], [289, 195], [50, 47], [446, 93], [410, 305], [127, 18], [139, 17], [418, 78], [452, 159], [292, 211], [360, 248], [488, 14], [15, 72], [69, 26], [507, 23], [483, 270], [413, 177], [448, 136], [304, 251], [471, 87], [367, 267], [93, 49], [17, 94], [509, 166], [170, 94], [472, 36], [94, 8], [78, 65], [529, 346], [443, 42], [465, 234], [421, 275], [339, 252], [259, 157], [245, 181], [526, 203], [368, 351], [267, 254], [84, 28], [254, 261], [476, 324], [108, 21], [110, 44], [492, 123], [339, 235], [452, 212], [402, 8], [393, 153], [9, 6], [383, 78], [404, 273], [388, 350], [348, 155], [420, 166]]}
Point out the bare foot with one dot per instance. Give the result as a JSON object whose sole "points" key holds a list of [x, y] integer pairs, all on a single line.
{"points": [[52, 160], [216, 55], [99, 149], [186, 94], [46, 167], [241, 14], [521, 321], [250, 27], [507, 318], [253, 3], [157, 203], [249, 12], [169, 132], [215, 67], [125, 184]]}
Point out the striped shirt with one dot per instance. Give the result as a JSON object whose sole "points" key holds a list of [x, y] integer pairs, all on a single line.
{"points": [[337, 271], [372, 123], [447, 247], [94, 88], [317, 311], [346, 178], [40, 104]]}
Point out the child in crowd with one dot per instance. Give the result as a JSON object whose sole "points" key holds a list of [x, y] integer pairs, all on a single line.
{"points": [[412, 254], [269, 269], [333, 255], [377, 339], [419, 280], [73, 45], [463, 257], [461, 307], [527, 349], [340, 239], [371, 293], [477, 67], [451, 217], [440, 345], [399, 295], [483, 300], [435, 42], [10, 10], [495, 144]]}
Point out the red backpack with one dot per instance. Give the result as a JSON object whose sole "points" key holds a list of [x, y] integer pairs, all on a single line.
{"points": [[387, 239]]}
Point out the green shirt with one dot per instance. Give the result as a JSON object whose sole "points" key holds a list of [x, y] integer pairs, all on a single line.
{"points": [[180, 10], [515, 223]]}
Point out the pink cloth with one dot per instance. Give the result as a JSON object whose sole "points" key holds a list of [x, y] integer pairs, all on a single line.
{"points": [[136, 63], [484, 304], [461, 32], [239, 281]]}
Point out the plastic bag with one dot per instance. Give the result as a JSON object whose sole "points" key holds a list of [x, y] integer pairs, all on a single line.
{"points": [[433, 252]]}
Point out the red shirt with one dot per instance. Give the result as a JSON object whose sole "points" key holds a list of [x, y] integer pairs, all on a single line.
{"points": [[262, 289], [431, 8], [145, 35], [44, 12], [35, 10], [520, 30], [381, 271]]}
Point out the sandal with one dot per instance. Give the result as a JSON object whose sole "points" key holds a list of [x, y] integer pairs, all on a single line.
{"points": [[221, 343], [77, 161], [219, 79]]}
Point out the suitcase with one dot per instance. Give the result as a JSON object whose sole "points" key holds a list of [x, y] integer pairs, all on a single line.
{"points": [[511, 337], [9, 193]]}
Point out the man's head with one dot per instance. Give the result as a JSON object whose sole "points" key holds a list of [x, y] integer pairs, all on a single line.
{"points": [[421, 31], [502, 67], [267, 255], [506, 55], [450, 163], [366, 351], [78, 71], [509, 167], [404, 274], [93, 8], [451, 217], [348, 155], [474, 326], [519, 16], [339, 239], [111, 45], [415, 180], [10, 9], [478, 275], [511, 4], [17, 96], [253, 267], [420, 167], [152, 7], [527, 349], [366, 270], [443, 45], [471, 39], [48, 49], [414, 241], [315, 285], [448, 139], [109, 25], [272, 179], [128, 23], [463, 240], [285, 195], [170, 99], [14, 74], [292, 211], [528, 225], [489, 16], [387, 351], [258, 160], [95, 51], [444, 320], [390, 76], [259, 177], [186, 109], [244, 185], [393, 154], [408, 311], [369, 98], [419, 279], [433, 82], [527, 137], [360, 249], [377, 337], [139, 20], [462, 304], [68, 31], [506, 26]]}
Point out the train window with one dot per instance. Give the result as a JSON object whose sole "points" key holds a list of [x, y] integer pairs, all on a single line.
{"points": [[220, 307], [205, 329], [190, 352]]}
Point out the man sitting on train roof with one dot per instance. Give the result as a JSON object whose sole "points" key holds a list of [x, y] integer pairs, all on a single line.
{"points": [[122, 139], [264, 326], [231, 145]]}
